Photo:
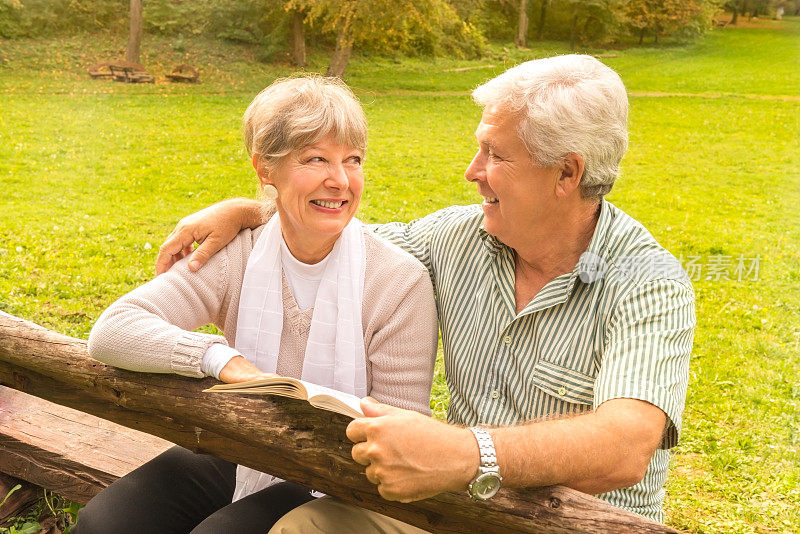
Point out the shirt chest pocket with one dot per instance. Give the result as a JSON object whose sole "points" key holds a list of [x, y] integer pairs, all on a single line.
{"points": [[563, 383]]}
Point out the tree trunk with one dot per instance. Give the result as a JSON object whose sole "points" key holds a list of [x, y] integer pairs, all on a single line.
{"points": [[285, 437], [573, 30], [735, 18], [69, 452], [341, 55], [298, 39], [641, 36], [542, 16], [135, 37], [521, 39]]}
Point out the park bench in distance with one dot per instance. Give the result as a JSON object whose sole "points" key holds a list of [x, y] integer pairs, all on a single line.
{"points": [[286, 437], [184, 73], [100, 70], [121, 71]]}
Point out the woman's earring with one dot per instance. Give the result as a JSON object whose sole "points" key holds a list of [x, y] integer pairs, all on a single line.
{"points": [[270, 192]]}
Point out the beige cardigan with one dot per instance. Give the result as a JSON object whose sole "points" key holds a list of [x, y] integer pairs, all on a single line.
{"points": [[151, 328]]}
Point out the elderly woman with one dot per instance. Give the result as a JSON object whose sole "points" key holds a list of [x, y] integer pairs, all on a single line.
{"points": [[311, 294]]}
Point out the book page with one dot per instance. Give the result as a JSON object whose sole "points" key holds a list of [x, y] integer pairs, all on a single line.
{"points": [[276, 385], [318, 396], [333, 400]]}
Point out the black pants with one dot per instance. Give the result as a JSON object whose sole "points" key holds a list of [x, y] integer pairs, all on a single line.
{"points": [[180, 492]]}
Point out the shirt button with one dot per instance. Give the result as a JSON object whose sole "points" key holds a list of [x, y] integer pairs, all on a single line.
{"points": [[507, 340], [562, 391], [495, 394]]}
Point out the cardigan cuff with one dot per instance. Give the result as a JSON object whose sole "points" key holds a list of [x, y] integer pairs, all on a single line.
{"points": [[187, 355]]}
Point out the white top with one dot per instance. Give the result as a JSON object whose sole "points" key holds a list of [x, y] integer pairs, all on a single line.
{"points": [[303, 280]]}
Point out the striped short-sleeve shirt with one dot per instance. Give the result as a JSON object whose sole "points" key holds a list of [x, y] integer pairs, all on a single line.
{"points": [[620, 325]]}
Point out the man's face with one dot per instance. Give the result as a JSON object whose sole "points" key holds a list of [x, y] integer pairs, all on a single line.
{"points": [[518, 195]]}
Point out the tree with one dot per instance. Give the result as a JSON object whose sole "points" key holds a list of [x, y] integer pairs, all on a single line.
{"points": [[411, 26], [135, 36], [343, 20], [542, 16], [298, 38], [6, 21], [668, 17], [641, 16], [521, 39], [592, 20], [736, 7]]}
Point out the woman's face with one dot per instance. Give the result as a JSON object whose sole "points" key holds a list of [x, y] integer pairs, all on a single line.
{"points": [[319, 188]]}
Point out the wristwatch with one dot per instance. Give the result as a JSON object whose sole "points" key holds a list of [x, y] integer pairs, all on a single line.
{"points": [[486, 484]]}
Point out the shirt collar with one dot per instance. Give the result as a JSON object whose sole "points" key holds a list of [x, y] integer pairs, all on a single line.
{"points": [[592, 265], [590, 268], [492, 244], [591, 259]]}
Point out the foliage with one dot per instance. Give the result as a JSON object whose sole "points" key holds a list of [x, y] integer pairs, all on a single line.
{"points": [[19, 525], [30, 18], [395, 26], [595, 21], [686, 18], [50, 510], [22, 527], [95, 174], [10, 493], [762, 8], [495, 19], [408, 27]]}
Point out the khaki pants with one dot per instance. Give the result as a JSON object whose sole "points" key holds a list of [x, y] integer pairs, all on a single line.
{"points": [[332, 516]]}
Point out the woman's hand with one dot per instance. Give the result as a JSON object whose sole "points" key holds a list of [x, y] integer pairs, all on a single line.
{"points": [[240, 370], [211, 228]]}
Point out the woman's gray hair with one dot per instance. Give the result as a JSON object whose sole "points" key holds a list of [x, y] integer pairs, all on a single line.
{"points": [[567, 104], [296, 112]]}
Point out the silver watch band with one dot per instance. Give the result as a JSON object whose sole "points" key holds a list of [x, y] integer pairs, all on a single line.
{"points": [[488, 480], [486, 450]]}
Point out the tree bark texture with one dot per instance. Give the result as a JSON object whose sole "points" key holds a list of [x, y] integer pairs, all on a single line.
{"points": [[67, 451], [521, 39], [135, 36], [298, 39], [542, 18], [284, 437], [341, 54], [573, 29]]}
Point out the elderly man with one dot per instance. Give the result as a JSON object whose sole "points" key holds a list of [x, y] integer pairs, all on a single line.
{"points": [[566, 327]]}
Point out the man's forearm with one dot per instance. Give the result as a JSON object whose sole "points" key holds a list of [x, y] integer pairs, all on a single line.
{"points": [[607, 449], [251, 211]]}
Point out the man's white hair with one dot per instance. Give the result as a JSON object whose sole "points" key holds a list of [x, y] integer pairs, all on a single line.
{"points": [[567, 104]]}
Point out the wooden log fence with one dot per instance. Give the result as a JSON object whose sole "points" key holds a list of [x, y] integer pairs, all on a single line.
{"points": [[284, 437]]}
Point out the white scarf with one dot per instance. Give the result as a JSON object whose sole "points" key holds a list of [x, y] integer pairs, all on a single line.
{"points": [[335, 355]]}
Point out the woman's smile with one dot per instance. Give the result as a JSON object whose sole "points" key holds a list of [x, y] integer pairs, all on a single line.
{"points": [[332, 206]]}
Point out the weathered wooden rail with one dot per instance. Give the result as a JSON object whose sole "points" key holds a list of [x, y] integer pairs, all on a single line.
{"points": [[284, 437]]}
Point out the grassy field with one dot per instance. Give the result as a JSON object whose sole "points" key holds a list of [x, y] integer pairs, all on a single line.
{"points": [[94, 174]]}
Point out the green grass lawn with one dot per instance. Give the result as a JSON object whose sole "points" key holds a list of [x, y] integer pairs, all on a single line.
{"points": [[94, 175]]}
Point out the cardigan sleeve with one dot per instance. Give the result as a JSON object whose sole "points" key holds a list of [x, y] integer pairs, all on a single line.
{"points": [[151, 328], [401, 333]]}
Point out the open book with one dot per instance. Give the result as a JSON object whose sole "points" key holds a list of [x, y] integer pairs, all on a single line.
{"points": [[317, 396]]}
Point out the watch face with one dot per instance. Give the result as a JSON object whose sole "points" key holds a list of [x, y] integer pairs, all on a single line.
{"points": [[485, 486]]}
